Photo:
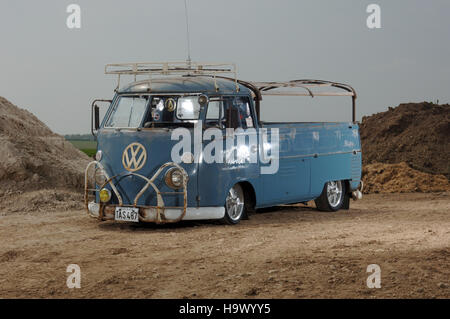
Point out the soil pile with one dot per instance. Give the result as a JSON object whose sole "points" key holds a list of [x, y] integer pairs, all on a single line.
{"points": [[35, 160], [415, 133], [400, 178]]}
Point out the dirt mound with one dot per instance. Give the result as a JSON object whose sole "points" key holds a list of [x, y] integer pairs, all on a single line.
{"points": [[33, 158], [415, 133], [400, 178], [41, 201]]}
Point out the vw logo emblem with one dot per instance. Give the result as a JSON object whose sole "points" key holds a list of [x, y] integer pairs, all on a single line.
{"points": [[134, 157]]}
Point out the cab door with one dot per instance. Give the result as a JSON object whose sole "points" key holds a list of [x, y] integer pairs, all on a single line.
{"points": [[229, 122]]}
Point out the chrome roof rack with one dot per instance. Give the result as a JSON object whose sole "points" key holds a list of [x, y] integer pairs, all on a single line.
{"points": [[171, 68]]}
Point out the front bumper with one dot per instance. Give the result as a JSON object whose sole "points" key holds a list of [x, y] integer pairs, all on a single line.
{"points": [[148, 214], [159, 213]]}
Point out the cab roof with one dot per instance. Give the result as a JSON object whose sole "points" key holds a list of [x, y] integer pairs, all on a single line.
{"points": [[186, 84]]}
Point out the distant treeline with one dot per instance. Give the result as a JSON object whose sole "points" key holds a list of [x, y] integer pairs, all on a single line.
{"points": [[79, 137]]}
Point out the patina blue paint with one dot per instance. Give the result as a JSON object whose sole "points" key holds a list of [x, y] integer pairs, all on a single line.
{"points": [[310, 154]]}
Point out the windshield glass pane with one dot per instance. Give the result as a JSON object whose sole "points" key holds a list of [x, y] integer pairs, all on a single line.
{"points": [[213, 112], [188, 108], [172, 110], [128, 112]]}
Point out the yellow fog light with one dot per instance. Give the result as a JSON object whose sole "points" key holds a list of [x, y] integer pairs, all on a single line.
{"points": [[105, 195]]}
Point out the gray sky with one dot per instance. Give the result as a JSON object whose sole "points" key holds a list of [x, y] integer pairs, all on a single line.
{"points": [[56, 72]]}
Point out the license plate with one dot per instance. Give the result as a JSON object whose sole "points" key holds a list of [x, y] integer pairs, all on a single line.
{"points": [[127, 214]]}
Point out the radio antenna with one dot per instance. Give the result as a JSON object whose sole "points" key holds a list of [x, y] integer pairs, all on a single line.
{"points": [[187, 35]]}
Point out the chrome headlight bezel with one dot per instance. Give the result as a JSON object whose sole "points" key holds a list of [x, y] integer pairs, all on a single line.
{"points": [[100, 177], [174, 178]]}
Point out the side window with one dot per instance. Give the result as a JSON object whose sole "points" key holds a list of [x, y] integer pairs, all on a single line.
{"points": [[247, 113], [242, 106]]}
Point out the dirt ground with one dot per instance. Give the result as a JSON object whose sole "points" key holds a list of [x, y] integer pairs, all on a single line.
{"points": [[282, 252]]}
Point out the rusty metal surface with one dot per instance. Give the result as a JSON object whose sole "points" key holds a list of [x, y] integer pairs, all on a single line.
{"points": [[170, 68], [160, 207]]}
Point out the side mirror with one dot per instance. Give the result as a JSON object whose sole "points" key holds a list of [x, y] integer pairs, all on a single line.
{"points": [[96, 117]]}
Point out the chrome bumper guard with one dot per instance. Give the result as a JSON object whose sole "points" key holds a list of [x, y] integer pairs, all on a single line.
{"points": [[157, 214]]}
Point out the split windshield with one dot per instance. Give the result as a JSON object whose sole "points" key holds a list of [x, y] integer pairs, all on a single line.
{"points": [[148, 111], [128, 112]]}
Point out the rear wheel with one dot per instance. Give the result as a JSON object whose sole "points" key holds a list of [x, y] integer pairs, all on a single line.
{"points": [[332, 197], [234, 205]]}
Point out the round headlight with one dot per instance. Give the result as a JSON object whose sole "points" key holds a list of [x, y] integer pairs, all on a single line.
{"points": [[174, 178], [100, 177], [98, 156], [105, 195]]}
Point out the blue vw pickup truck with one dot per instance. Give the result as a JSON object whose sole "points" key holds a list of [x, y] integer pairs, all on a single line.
{"points": [[185, 142]]}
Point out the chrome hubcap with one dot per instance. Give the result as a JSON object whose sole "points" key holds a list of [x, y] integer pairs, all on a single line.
{"points": [[235, 202], [334, 193]]}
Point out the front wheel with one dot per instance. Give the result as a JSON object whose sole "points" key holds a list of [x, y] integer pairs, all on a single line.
{"points": [[234, 205], [332, 197]]}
